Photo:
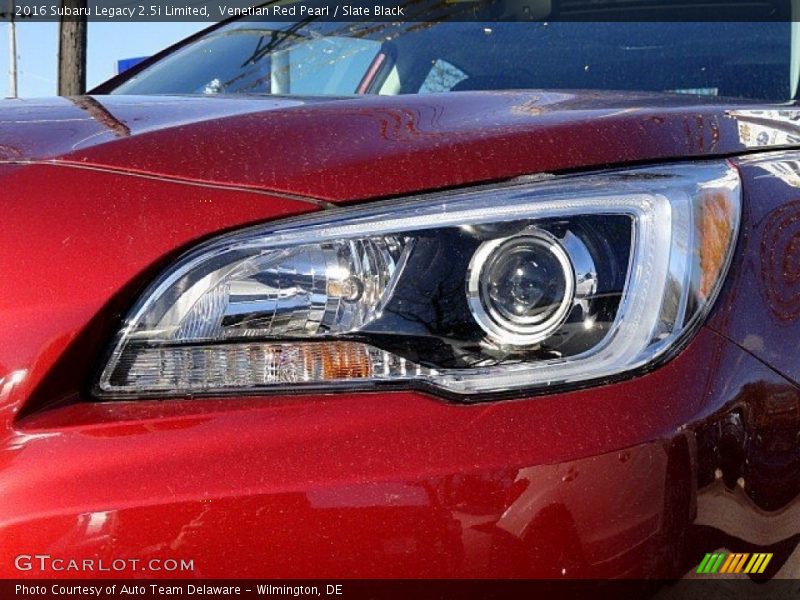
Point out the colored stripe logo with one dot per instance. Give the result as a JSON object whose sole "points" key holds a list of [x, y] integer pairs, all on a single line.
{"points": [[720, 562]]}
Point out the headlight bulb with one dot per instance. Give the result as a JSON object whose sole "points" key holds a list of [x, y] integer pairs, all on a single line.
{"points": [[520, 289]]}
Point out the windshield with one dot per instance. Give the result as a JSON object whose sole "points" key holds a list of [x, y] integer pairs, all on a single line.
{"points": [[732, 59]]}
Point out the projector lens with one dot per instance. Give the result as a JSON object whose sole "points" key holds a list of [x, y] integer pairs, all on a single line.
{"points": [[521, 288]]}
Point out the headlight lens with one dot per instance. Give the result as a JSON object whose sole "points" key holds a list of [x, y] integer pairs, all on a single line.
{"points": [[526, 286], [521, 288]]}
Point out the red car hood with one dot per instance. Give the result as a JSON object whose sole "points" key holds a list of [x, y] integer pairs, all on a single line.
{"points": [[350, 149]]}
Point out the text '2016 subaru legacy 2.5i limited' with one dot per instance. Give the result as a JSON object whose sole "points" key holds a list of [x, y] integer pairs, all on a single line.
{"points": [[410, 299]]}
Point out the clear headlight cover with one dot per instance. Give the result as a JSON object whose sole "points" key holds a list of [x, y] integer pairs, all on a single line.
{"points": [[526, 286]]}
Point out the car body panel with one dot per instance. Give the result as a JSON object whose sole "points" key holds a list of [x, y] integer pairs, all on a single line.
{"points": [[61, 282], [762, 311], [599, 482], [343, 150], [371, 484]]}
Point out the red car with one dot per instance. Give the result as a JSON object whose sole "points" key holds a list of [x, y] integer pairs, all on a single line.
{"points": [[395, 300]]}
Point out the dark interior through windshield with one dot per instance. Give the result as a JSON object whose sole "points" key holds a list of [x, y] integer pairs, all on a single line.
{"points": [[732, 59]]}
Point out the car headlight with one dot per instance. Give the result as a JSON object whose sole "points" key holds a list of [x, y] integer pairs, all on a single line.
{"points": [[524, 286]]}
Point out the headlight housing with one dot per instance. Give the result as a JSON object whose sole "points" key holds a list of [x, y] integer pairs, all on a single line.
{"points": [[525, 286]]}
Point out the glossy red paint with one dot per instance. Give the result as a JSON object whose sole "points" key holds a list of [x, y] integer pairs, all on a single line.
{"points": [[762, 311], [605, 481], [390, 485], [78, 249], [352, 149]]}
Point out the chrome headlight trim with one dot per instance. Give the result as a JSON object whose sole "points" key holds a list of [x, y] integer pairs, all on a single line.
{"points": [[667, 292]]}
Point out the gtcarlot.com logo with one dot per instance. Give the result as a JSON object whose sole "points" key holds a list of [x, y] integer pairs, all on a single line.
{"points": [[46, 562], [720, 562]]}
